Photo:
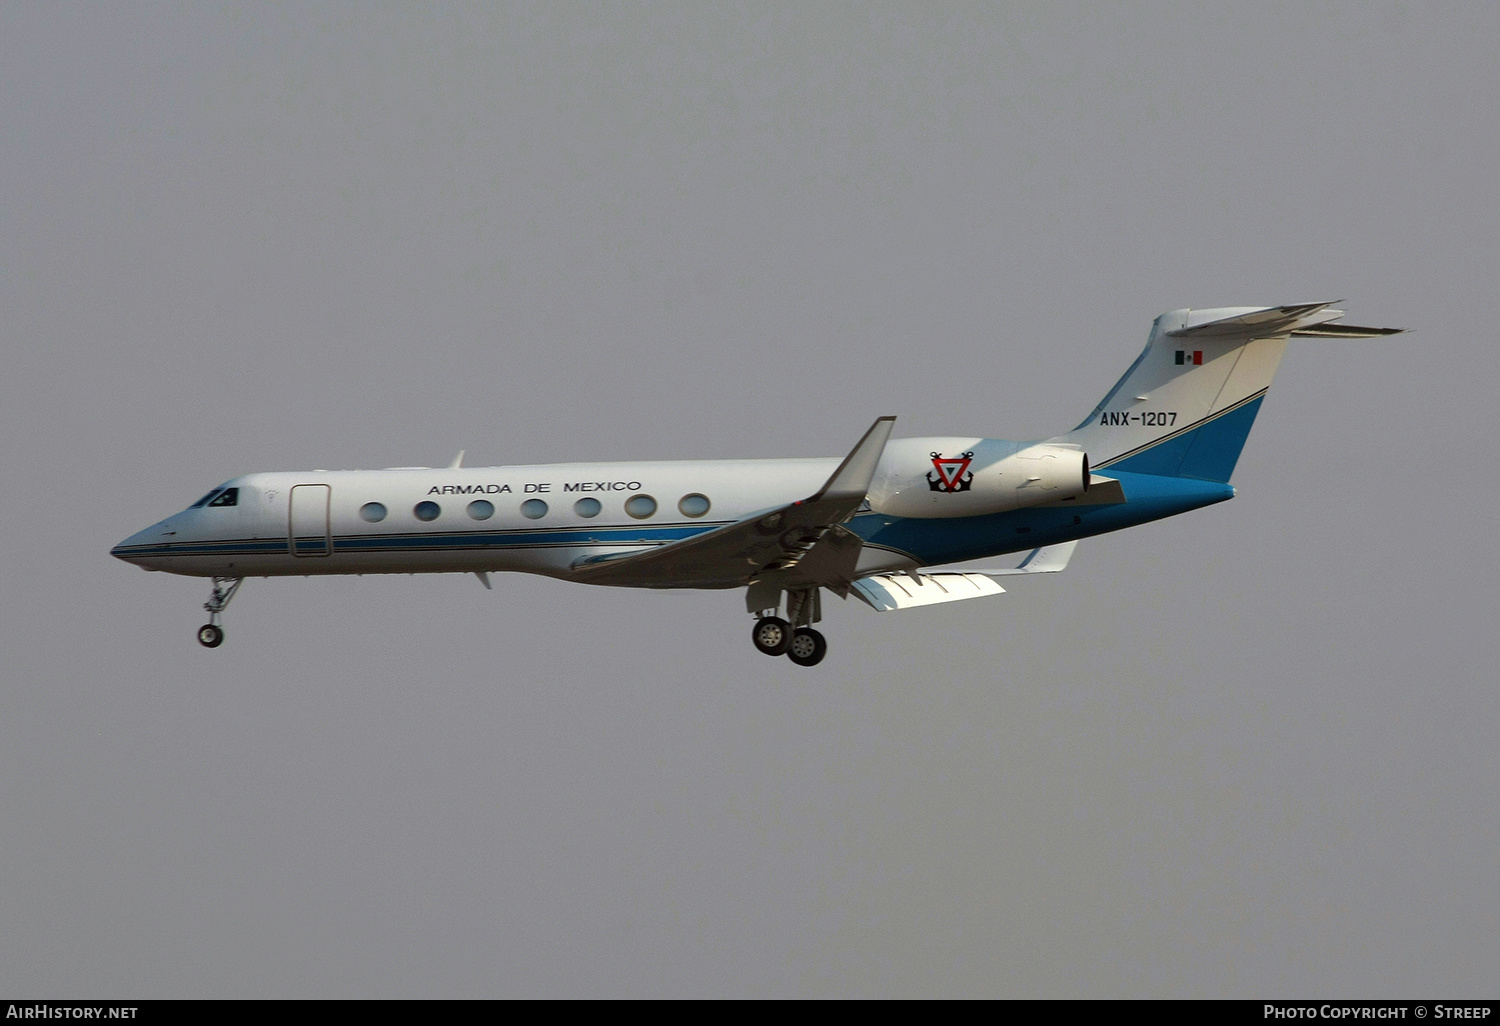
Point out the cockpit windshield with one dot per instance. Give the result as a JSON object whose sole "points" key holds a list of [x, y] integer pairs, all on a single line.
{"points": [[220, 496]]}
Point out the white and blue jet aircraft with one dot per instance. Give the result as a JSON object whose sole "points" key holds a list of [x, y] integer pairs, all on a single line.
{"points": [[1163, 441]]}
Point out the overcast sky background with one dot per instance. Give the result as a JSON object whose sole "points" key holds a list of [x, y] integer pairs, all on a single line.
{"points": [[1250, 751]]}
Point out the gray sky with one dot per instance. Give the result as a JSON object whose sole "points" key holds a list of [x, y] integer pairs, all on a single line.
{"points": [[1246, 752]]}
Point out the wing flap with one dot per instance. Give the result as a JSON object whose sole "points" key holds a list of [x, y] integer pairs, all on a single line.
{"points": [[886, 592]]}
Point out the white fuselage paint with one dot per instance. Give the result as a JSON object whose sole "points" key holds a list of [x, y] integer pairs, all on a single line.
{"points": [[255, 536]]}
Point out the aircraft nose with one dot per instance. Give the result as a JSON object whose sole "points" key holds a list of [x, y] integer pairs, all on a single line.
{"points": [[128, 550], [138, 546]]}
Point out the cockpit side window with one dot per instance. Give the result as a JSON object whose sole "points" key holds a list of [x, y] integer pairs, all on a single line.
{"points": [[228, 497], [204, 501]]}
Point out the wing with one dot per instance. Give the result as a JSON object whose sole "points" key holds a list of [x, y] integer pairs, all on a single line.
{"points": [[802, 540]]}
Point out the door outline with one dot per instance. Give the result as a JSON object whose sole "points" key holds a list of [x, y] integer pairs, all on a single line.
{"points": [[314, 544]]}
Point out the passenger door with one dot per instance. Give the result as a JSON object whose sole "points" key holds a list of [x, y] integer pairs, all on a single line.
{"points": [[308, 533]]}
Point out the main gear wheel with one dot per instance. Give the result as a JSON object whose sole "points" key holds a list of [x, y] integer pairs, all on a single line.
{"points": [[772, 635]]}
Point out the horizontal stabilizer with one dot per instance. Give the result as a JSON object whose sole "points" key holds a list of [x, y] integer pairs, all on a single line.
{"points": [[1343, 331], [899, 591], [1049, 559], [1256, 322]]}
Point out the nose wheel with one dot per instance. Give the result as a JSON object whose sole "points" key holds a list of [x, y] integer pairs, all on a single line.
{"points": [[211, 635]]}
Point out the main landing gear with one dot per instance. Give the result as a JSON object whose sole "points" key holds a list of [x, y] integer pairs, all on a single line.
{"points": [[802, 645], [211, 635], [775, 636]]}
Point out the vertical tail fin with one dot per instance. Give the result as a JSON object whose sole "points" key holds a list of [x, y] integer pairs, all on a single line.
{"points": [[1186, 406]]}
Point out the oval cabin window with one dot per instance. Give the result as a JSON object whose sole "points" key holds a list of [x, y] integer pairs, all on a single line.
{"points": [[694, 505]]}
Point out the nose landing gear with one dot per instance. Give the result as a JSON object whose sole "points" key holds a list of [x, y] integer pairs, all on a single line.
{"points": [[211, 635]]}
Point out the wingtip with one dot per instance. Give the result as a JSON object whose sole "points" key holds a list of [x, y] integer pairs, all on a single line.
{"points": [[854, 473]]}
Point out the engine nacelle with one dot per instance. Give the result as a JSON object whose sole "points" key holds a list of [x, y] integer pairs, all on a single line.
{"points": [[968, 477]]}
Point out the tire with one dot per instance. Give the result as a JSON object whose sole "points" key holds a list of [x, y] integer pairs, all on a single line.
{"points": [[210, 636], [808, 647], [772, 635]]}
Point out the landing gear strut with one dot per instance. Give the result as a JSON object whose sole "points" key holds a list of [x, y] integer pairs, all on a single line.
{"points": [[211, 635], [775, 636]]}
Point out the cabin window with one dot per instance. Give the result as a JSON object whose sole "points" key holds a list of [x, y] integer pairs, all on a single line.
{"points": [[694, 505], [640, 506], [533, 509], [228, 497], [426, 510], [481, 509], [204, 501], [372, 512], [587, 507]]}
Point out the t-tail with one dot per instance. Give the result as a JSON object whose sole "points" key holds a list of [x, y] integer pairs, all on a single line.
{"points": [[1185, 407]]}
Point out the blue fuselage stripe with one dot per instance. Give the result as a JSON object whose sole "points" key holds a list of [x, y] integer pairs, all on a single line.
{"points": [[478, 540]]}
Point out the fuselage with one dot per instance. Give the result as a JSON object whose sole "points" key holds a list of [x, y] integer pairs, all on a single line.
{"points": [[544, 519], [1164, 440]]}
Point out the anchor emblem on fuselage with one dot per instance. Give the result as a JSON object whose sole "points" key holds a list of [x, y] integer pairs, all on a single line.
{"points": [[953, 474]]}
